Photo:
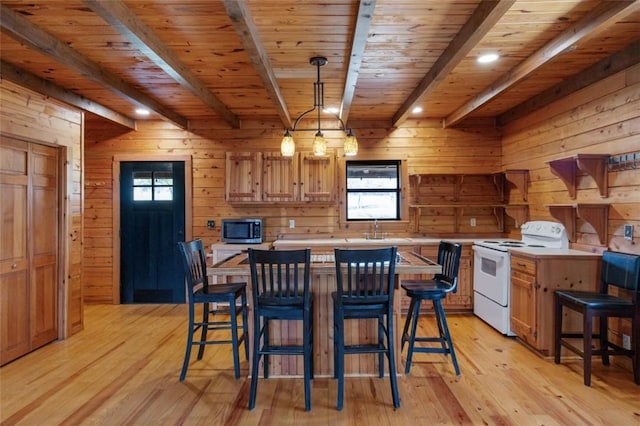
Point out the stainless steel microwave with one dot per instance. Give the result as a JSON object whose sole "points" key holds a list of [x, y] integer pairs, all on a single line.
{"points": [[242, 231]]}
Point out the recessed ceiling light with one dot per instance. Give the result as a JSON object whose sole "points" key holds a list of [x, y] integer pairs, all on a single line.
{"points": [[488, 57], [142, 111], [416, 110]]}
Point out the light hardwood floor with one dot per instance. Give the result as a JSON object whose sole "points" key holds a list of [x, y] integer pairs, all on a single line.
{"points": [[124, 367]]}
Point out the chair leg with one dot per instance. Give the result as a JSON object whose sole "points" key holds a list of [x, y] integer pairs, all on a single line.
{"points": [[265, 343], [187, 355], [245, 324], [392, 361], [588, 337], [307, 358], [255, 361], [339, 357], [447, 335], [381, 335], [604, 339], [441, 333], [415, 304], [234, 336], [635, 346], [407, 322], [205, 329], [557, 347]]}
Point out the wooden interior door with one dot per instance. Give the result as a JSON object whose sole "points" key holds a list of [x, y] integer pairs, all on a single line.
{"points": [[29, 247]]}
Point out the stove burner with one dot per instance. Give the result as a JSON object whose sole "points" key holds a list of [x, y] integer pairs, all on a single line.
{"points": [[512, 244]]}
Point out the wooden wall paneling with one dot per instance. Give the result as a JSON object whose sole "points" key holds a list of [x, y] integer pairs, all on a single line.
{"points": [[430, 147], [29, 116]]}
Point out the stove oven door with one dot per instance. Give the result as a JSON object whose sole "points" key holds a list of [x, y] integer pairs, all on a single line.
{"points": [[491, 274]]}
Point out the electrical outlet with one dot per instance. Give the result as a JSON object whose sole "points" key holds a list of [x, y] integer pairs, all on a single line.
{"points": [[472, 222], [292, 223], [626, 341], [211, 224], [628, 232]]}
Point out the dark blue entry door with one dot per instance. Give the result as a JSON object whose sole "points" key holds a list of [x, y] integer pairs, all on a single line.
{"points": [[151, 222]]}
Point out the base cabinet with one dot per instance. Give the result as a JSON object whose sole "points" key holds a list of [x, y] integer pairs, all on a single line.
{"points": [[533, 282]]}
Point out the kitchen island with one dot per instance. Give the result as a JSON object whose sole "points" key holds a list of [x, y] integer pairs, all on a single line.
{"points": [[323, 283]]}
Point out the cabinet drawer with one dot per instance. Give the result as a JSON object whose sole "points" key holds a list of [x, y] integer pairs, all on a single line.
{"points": [[521, 264]]}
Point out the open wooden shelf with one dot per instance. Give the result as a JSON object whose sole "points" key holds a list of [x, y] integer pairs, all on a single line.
{"points": [[595, 214], [595, 165]]}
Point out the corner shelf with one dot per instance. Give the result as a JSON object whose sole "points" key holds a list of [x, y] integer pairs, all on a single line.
{"points": [[595, 165], [595, 214]]}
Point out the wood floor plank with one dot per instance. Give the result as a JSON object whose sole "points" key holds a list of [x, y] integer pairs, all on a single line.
{"points": [[124, 369]]}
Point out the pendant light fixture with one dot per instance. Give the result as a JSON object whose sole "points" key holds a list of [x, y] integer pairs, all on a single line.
{"points": [[287, 147]]}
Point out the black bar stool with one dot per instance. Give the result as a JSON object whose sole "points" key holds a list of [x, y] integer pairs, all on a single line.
{"points": [[435, 290], [200, 292]]}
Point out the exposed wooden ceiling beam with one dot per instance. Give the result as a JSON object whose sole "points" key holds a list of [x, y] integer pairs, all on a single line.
{"points": [[141, 37], [27, 33], [363, 23], [248, 33], [486, 15], [596, 21], [617, 62], [45, 87]]}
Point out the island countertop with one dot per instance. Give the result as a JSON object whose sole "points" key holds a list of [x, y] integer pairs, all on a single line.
{"points": [[323, 263]]}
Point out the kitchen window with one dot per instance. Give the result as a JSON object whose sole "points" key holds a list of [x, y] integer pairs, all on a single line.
{"points": [[373, 190]]}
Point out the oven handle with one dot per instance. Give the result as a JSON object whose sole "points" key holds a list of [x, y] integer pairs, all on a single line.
{"points": [[496, 255]]}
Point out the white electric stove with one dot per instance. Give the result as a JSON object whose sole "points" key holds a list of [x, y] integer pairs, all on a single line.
{"points": [[492, 270]]}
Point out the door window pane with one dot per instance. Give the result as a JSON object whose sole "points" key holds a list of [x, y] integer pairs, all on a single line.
{"points": [[153, 186]]}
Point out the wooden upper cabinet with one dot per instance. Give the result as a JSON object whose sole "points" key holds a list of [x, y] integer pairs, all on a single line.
{"points": [[279, 177], [317, 178], [269, 177], [242, 177]]}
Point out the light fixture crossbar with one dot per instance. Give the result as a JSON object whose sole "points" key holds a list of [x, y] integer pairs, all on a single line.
{"points": [[319, 144]]}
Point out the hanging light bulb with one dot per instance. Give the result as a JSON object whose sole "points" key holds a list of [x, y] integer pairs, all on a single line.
{"points": [[287, 146], [350, 144], [319, 144]]}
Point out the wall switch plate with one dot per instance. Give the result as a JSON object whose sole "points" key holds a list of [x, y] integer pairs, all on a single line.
{"points": [[472, 222], [292, 223], [626, 341], [628, 232], [211, 224]]}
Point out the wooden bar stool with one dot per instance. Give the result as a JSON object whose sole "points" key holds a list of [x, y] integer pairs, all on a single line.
{"points": [[200, 292]]}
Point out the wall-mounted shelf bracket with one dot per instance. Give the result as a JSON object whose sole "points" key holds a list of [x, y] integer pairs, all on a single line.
{"points": [[594, 214], [520, 178], [595, 165]]}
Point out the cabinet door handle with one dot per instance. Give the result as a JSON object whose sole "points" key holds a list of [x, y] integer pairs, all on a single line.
{"points": [[14, 266], [524, 265]]}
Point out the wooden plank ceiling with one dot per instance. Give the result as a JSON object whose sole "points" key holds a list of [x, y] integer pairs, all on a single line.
{"points": [[234, 60]]}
